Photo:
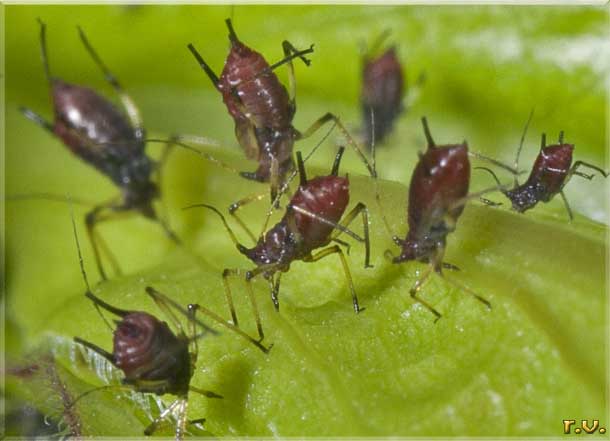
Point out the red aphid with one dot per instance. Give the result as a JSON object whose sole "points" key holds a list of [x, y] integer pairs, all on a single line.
{"points": [[437, 196], [550, 173], [313, 220], [259, 104], [381, 95]]}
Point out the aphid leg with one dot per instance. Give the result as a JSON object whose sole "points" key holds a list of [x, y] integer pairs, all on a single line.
{"points": [[344, 244], [274, 181], [155, 423], [577, 164], [450, 266], [36, 118], [330, 117], [360, 208], [335, 249], [204, 392], [415, 289], [229, 326], [466, 289], [240, 203], [164, 302], [128, 103], [107, 355], [159, 165], [274, 288], [289, 52], [99, 214], [567, 205], [272, 267], [225, 280], [181, 419]]}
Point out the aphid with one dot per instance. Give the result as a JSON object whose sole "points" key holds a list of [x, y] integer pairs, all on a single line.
{"points": [[106, 138], [437, 195], [153, 358], [551, 171], [263, 110], [381, 95], [313, 219]]}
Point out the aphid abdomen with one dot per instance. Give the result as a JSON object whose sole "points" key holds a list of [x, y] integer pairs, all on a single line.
{"points": [[551, 169], [146, 350], [248, 90], [382, 92], [95, 118], [440, 179], [327, 197]]}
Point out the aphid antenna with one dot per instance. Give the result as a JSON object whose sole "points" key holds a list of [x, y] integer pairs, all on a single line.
{"points": [[464, 288], [298, 54], [89, 294], [462, 201], [376, 179], [43, 50], [48, 197], [199, 152], [527, 124], [491, 173], [242, 249], [560, 140]]}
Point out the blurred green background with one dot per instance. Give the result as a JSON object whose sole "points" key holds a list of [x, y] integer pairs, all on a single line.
{"points": [[486, 67]]}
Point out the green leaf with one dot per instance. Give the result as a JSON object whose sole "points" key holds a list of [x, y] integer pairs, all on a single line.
{"points": [[538, 357]]}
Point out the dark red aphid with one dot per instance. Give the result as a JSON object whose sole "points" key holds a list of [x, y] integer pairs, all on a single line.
{"points": [[110, 140], [313, 220], [437, 195], [152, 357], [382, 92], [263, 110], [550, 173]]}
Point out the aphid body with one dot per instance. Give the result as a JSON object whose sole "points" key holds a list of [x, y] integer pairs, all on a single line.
{"points": [[107, 138], [437, 196], [547, 178], [261, 109], [381, 95], [97, 132], [151, 356], [313, 219], [440, 179], [551, 172]]}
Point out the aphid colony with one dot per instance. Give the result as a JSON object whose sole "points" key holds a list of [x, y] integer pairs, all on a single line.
{"points": [[155, 359]]}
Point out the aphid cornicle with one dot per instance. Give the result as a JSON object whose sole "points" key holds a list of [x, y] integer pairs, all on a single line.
{"points": [[263, 110], [152, 357], [381, 95], [313, 219], [437, 195], [106, 138], [551, 172]]}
